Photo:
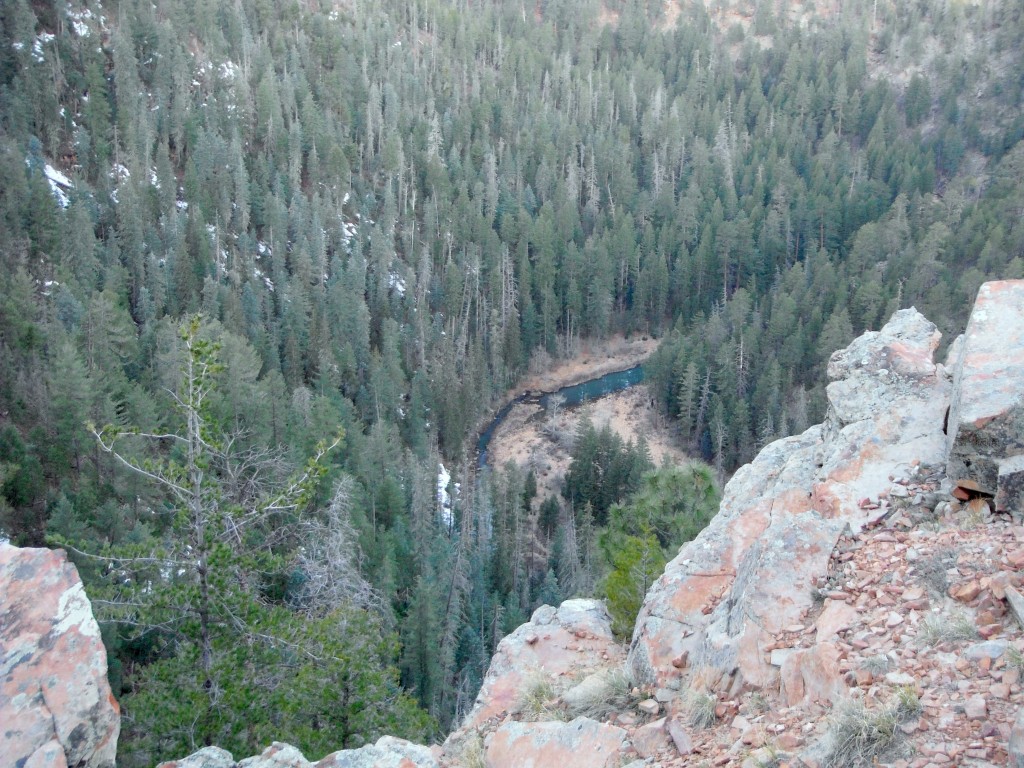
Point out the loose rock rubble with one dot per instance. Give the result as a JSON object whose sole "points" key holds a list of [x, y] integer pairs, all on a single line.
{"points": [[914, 606]]}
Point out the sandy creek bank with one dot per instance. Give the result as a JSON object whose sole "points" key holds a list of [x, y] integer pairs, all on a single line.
{"points": [[541, 441]]}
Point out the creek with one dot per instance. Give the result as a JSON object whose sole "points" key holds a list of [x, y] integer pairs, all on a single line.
{"points": [[571, 396]]}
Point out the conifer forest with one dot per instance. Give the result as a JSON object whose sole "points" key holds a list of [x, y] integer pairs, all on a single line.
{"points": [[269, 266]]}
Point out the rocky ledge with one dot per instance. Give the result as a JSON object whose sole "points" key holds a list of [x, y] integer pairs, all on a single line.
{"points": [[56, 707], [732, 591]]}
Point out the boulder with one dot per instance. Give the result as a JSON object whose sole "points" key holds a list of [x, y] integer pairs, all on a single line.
{"points": [[582, 743], [388, 752], [208, 757], [834, 618], [650, 739], [734, 589], [812, 674], [55, 702], [557, 646], [986, 415], [277, 755]]}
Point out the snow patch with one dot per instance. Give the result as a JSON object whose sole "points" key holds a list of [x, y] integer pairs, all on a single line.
{"points": [[59, 183], [444, 499], [37, 47], [79, 19], [396, 283], [228, 70]]}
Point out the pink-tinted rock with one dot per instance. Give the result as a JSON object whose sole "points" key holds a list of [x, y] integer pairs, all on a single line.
{"points": [[50, 755], [812, 674], [648, 740], [583, 743], [207, 757], [680, 737], [976, 707], [570, 642], [835, 617], [748, 575], [277, 755], [53, 667], [986, 416], [387, 752]]}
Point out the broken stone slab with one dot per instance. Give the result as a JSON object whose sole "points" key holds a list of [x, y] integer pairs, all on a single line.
{"points": [[990, 649], [680, 737], [1016, 744], [836, 616], [986, 416], [1016, 602], [648, 740], [388, 752], [1010, 486], [813, 674]]}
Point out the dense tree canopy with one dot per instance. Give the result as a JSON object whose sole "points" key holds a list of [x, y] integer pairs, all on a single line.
{"points": [[385, 211]]}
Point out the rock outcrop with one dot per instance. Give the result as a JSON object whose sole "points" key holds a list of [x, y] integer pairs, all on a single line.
{"points": [[388, 752], [556, 646], [986, 416], [583, 743], [56, 707], [728, 595]]}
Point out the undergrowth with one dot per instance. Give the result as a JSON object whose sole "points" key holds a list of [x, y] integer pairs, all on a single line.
{"points": [[859, 736]]}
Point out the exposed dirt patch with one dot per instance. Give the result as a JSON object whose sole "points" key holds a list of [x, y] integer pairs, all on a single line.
{"points": [[534, 439]]}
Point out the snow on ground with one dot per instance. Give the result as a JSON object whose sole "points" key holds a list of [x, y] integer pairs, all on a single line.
{"points": [[79, 20], [59, 183], [37, 47], [444, 499]]}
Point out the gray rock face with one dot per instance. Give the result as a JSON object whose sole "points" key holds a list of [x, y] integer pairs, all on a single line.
{"points": [[748, 575], [986, 417], [1016, 745], [388, 752], [583, 743], [574, 639], [56, 708], [208, 757], [277, 755]]}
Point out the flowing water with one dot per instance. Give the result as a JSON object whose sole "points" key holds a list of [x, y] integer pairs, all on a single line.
{"points": [[571, 396]]}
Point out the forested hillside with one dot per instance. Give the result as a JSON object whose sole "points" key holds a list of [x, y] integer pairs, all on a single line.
{"points": [[381, 213]]}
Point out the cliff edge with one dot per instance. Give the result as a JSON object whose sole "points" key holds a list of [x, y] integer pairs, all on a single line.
{"points": [[856, 601]]}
